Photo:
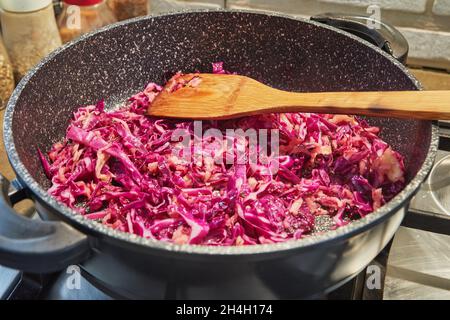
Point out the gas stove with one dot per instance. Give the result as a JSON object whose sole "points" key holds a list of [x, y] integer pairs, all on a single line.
{"points": [[408, 269]]}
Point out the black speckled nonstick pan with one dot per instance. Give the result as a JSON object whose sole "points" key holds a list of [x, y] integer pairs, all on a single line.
{"points": [[115, 62]]}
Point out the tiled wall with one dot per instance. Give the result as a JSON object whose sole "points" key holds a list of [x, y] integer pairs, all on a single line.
{"points": [[161, 6], [425, 23]]}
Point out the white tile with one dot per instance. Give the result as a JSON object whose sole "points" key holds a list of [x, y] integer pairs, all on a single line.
{"points": [[441, 7], [162, 6], [402, 5], [428, 46]]}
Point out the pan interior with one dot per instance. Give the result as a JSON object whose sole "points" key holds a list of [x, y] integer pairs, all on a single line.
{"points": [[285, 53]]}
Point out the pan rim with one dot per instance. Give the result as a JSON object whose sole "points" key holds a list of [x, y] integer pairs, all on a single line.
{"points": [[97, 229]]}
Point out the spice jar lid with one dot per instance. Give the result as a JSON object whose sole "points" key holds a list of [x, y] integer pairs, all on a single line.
{"points": [[24, 5], [83, 2]]}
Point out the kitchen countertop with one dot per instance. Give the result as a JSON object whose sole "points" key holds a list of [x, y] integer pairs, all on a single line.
{"points": [[25, 207], [432, 80], [5, 168]]}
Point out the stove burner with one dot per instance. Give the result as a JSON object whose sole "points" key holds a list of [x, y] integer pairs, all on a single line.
{"points": [[439, 184]]}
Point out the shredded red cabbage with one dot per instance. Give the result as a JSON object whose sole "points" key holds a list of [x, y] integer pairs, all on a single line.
{"points": [[118, 168]]}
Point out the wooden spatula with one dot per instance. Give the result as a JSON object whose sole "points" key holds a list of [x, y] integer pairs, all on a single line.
{"points": [[221, 96]]}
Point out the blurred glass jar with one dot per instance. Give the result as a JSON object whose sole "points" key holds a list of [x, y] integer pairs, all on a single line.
{"points": [[127, 9], [81, 16], [29, 32]]}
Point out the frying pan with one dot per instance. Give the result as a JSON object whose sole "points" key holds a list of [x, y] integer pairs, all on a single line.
{"points": [[117, 61]]}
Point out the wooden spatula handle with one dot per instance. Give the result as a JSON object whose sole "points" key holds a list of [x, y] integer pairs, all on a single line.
{"points": [[231, 96], [403, 104]]}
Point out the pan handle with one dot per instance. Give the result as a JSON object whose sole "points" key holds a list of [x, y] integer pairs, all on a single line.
{"points": [[379, 33], [34, 245]]}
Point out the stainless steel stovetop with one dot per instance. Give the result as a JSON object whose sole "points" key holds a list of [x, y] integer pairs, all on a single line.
{"points": [[419, 260]]}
